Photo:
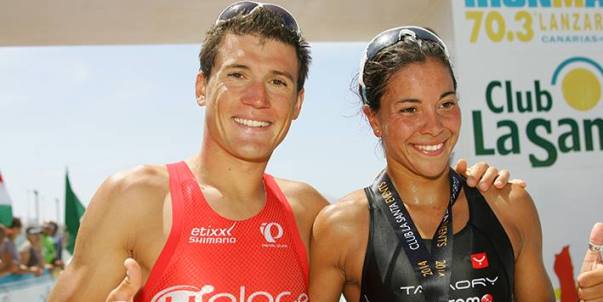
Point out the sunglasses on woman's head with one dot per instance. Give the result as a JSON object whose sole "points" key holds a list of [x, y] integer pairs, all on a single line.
{"points": [[391, 37]]}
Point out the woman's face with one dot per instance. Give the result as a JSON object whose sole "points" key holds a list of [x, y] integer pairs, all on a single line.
{"points": [[419, 118]]}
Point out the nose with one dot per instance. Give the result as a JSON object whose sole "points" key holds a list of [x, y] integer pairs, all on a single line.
{"points": [[432, 123], [256, 96]]}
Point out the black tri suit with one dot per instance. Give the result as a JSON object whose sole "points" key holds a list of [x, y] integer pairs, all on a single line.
{"points": [[482, 259]]}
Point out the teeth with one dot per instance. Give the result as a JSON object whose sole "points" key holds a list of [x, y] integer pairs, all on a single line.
{"points": [[430, 148], [251, 123]]}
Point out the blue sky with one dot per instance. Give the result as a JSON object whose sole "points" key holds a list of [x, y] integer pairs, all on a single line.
{"points": [[97, 110]]}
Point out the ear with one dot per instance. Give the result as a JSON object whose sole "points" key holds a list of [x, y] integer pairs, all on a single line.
{"points": [[298, 103], [200, 88], [371, 116]]}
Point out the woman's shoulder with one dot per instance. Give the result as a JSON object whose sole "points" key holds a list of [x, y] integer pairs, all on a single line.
{"points": [[517, 213]]}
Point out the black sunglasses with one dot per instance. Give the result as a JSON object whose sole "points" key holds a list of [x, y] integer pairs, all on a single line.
{"points": [[243, 8], [390, 37]]}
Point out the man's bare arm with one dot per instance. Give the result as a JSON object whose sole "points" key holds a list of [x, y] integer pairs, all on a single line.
{"points": [[105, 239]]}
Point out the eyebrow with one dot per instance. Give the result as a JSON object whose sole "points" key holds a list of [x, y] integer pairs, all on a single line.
{"points": [[445, 94], [411, 100], [284, 74], [241, 66], [408, 101], [275, 72]]}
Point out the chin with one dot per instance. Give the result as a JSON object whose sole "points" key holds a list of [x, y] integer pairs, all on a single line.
{"points": [[432, 171], [253, 155]]}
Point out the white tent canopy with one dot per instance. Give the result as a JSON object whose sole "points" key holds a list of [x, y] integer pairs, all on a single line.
{"points": [[98, 22]]}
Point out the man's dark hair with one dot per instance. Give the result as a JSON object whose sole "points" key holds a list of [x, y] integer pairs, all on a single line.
{"points": [[262, 23], [54, 226], [16, 223]]}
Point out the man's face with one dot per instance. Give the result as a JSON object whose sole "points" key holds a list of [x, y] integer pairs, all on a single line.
{"points": [[251, 96], [16, 231], [34, 238], [48, 230]]}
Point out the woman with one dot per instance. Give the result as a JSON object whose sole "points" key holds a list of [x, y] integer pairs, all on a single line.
{"points": [[418, 233]]}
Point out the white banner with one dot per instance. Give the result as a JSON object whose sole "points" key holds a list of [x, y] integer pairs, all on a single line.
{"points": [[530, 75]]}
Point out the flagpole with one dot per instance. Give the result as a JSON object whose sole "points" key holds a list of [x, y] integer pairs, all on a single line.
{"points": [[28, 203], [37, 205], [58, 208]]}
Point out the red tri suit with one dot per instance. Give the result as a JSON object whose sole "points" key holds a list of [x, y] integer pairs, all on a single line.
{"points": [[209, 258]]}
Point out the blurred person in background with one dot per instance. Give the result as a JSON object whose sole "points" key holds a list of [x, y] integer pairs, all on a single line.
{"points": [[12, 232], [32, 259], [52, 245], [7, 265]]}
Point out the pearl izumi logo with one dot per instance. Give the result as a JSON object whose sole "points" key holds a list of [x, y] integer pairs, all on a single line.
{"points": [[208, 293], [213, 235], [272, 232]]}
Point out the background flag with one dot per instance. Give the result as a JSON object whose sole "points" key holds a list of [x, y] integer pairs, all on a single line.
{"points": [[6, 208], [73, 213]]}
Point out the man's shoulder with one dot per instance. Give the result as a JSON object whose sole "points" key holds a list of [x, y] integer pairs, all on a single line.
{"points": [[132, 190], [301, 192], [305, 202], [139, 178], [25, 246]]}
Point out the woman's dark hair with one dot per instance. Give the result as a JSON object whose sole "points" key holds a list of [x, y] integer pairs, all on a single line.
{"points": [[378, 70]]}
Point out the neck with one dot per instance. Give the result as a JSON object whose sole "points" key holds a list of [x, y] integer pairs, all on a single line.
{"points": [[236, 179], [419, 190]]}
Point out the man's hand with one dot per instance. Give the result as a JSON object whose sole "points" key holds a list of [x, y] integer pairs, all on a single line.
{"points": [[130, 285], [482, 176], [590, 280]]}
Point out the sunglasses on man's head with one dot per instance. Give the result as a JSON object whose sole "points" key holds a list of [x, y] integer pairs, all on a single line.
{"points": [[243, 8], [391, 37]]}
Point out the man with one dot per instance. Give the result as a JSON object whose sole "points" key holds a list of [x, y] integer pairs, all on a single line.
{"points": [[251, 83], [32, 259], [52, 244], [214, 226], [7, 265], [9, 245]]}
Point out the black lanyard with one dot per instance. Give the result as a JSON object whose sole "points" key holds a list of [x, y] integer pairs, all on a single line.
{"points": [[433, 269]]}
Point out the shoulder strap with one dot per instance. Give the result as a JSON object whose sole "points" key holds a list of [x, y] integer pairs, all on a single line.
{"points": [[485, 221], [377, 273], [175, 171], [281, 199]]}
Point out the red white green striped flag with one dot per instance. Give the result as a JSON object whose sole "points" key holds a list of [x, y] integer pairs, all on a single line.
{"points": [[6, 205]]}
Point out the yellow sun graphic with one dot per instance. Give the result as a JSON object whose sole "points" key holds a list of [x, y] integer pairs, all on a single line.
{"points": [[581, 89]]}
